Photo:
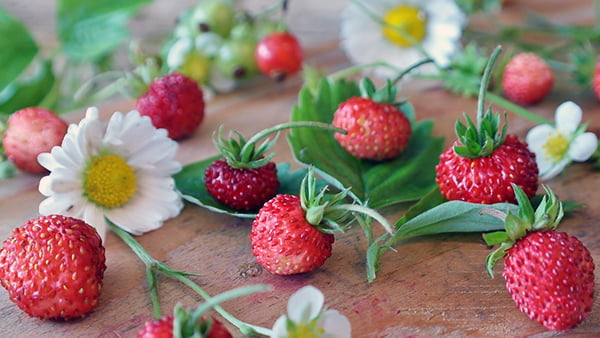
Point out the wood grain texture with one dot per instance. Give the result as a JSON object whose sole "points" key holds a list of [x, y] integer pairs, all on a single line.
{"points": [[433, 286]]}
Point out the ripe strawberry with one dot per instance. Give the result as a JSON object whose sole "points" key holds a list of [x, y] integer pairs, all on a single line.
{"points": [[244, 179], [279, 55], [173, 102], [29, 132], [377, 129], [549, 274], [596, 80], [294, 234], [483, 163], [163, 328], [52, 267], [527, 79]]}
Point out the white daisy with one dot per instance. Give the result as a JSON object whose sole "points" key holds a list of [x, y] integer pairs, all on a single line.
{"points": [[120, 170], [401, 33], [556, 146], [306, 319]]}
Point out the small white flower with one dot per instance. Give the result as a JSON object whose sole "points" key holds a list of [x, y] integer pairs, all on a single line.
{"points": [[556, 146], [434, 26], [120, 170], [306, 319]]}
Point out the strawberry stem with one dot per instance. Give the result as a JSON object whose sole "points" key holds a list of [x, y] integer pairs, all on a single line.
{"points": [[153, 266], [287, 125], [515, 108], [485, 80]]}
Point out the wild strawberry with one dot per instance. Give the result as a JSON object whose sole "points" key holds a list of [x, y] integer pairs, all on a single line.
{"points": [[483, 163], [527, 79], [596, 80], [377, 129], [53, 266], [245, 178], [294, 234], [173, 102], [163, 328], [549, 274], [29, 132], [279, 55]]}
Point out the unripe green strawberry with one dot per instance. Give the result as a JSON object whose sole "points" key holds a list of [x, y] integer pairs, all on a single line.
{"points": [[527, 79], [30, 132], [549, 274], [53, 266], [376, 128]]}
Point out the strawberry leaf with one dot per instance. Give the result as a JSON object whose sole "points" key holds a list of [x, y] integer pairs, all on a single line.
{"points": [[190, 183], [17, 46], [376, 184]]}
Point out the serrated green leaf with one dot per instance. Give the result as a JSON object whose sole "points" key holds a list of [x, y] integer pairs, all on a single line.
{"points": [[190, 183], [405, 178], [90, 30], [18, 48]]}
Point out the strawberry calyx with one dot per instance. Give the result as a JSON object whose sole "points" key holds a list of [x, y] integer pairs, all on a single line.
{"points": [[385, 95], [483, 138], [546, 216], [249, 154], [327, 212]]}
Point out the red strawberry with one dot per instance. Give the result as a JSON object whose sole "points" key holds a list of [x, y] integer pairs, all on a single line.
{"points": [[245, 178], [173, 102], [279, 55], [163, 328], [549, 274], [377, 129], [596, 80], [484, 163], [31, 131], [52, 267], [487, 179], [527, 79], [293, 234]]}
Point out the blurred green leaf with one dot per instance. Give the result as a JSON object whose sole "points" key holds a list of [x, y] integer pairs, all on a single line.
{"points": [[28, 91], [90, 30], [17, 48]]}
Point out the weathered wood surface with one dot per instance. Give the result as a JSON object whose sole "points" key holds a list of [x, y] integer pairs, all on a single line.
{"points": [[435, 286]]}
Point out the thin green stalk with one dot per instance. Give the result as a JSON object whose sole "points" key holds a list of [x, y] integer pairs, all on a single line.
{"points": [[153, 266], [515, 108]]}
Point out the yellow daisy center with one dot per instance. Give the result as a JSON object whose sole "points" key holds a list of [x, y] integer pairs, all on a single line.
{"points": [[196, 66], [109, 181], [404, 25], [556, 147], [306, 330]]}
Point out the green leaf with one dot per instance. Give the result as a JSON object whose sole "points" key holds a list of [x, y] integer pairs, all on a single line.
{"points": [[376, 184], [496, 237], [455, 216], [190, 183], [90, 30], [17, 46], [27, 92]]}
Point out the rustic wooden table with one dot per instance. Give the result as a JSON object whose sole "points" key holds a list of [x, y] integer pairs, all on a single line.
{"points": [[435, 286]]}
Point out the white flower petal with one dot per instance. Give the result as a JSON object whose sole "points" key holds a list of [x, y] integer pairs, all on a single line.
{"points": [[336, 325], [177, 52], [568, 117], [305, 304], [279, 328], [94, 216], [554, 169], [538, 136], [583, 146]]}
